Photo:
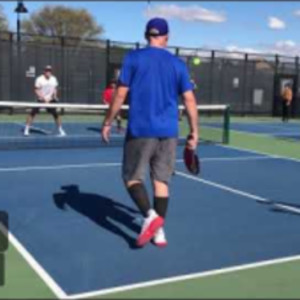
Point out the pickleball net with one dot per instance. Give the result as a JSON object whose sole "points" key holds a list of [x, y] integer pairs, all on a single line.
{"points": [[82, 124]]}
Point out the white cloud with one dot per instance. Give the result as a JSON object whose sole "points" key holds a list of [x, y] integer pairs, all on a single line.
{"points": [[297, 13], [235, 48], [196, 52], [193, 13], [275, 23], [287, 47], [239, 52], [283, 47]]}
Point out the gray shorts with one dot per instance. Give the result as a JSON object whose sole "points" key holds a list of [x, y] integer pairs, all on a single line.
{"points": [[158, 154]]}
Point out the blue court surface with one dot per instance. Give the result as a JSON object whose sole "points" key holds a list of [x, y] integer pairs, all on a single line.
{"points": [[72, 219], [45, 135], [15, 129]]}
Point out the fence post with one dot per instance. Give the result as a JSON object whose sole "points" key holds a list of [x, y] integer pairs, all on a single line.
{"points": [[275, 94], [211, 84], [137, 45], [276, 63], [63, 71], [19, 68], [245, 83], [107, 61], [177, 51], [296, 86], [221, 80]]}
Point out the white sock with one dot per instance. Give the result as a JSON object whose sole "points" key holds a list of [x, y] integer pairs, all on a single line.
{"points": [[151, 213], [27, 127]]}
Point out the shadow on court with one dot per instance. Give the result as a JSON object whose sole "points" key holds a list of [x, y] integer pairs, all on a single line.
{"points": [[288, 207], [94, 129], [114, 130], [104, 211], [294, 209]]}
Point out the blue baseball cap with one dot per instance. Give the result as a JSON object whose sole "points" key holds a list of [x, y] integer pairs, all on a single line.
{"points": [[157, 27]]}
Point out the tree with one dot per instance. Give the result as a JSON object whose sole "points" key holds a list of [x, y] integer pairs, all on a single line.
{"points": [[62, 21], [3, 20]]}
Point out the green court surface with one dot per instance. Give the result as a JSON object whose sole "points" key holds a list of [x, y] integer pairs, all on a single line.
{"points": [[275, 280]]}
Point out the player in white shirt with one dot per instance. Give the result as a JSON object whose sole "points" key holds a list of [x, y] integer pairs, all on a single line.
{"points": [[46, 92]]}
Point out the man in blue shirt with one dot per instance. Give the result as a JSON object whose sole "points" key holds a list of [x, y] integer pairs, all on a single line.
{"points": [[153, 78]]}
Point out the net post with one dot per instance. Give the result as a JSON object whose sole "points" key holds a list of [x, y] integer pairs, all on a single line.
{"points": [[11, 75], [226, 131], [63, 69], [107, 61]]}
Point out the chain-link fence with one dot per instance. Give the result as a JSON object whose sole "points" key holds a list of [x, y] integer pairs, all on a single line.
{"points": [[250, 83]]}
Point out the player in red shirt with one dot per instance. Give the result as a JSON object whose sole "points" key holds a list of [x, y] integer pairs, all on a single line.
{"points": [[107, 97]]}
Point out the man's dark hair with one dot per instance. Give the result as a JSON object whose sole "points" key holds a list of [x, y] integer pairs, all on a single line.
{"points": [[149, 35], [288, 85]]}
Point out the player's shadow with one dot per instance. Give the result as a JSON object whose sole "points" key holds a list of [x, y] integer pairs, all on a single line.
{"points": [[94, 129], [102, 210], [35, 132]]}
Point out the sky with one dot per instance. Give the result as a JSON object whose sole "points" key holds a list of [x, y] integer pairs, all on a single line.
{"points": [[270, 27]]}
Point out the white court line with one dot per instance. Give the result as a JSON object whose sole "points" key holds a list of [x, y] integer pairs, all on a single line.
{"points": [[285, 207], [59, 167], [238, 158], [258, 152], [185, 277], [287, 134], [195, 275], [267, 125], [49, 281], [263, 134], [272, 126], [223, 187], [115, 164], [278, 205], [62, 295], [55, 136]]}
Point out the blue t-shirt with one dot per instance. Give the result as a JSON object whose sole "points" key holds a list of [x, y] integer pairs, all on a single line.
{"points": [[155, 78]]}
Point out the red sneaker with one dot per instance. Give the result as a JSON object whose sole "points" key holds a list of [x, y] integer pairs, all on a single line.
{"points": [[150, 227]]}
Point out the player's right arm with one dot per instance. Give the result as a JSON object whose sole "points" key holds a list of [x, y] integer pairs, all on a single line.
{"points": [[290, 96], [190, 104], [55, 91], [120, 95], [119, 99], [189, 100]]}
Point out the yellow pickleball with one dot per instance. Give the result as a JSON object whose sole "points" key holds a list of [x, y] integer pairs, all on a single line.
{"points": [[196, 61]]}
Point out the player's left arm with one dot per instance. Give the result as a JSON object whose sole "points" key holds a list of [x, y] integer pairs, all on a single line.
{"points": [[55, 91]]}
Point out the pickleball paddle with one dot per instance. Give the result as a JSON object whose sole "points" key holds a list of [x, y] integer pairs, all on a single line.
{"points": [[191, 159]]}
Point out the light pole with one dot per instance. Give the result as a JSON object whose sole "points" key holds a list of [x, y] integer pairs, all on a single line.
{"points": [[20, 9]]}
